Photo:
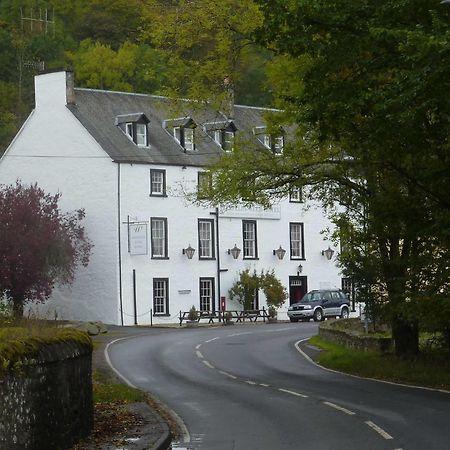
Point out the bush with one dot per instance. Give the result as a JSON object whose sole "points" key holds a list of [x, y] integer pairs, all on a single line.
{"points": [[193, 314]]}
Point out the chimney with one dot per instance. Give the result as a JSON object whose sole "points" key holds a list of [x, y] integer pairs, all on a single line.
{"points": [[70, 88]]}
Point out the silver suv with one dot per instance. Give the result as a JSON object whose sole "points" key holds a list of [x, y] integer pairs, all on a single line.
{"points": [[320, 304]]}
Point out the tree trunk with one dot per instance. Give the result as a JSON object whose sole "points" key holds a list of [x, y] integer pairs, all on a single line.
{"points": [[18, 308], [406, 337]]}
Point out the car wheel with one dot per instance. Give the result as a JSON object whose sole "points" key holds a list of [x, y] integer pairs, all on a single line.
{"points": [[293, 319], [344, 313], [318, 315]]}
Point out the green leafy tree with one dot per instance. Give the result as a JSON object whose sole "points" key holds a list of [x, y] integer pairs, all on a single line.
{"points": [[208, 47], [365, 86], [274, 291], [245, 288]]}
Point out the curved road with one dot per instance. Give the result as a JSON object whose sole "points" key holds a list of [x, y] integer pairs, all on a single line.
{"points": [[247, 387]]}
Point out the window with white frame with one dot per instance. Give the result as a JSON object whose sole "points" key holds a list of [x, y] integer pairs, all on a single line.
{"points": [[274, 143], [141, 134], [137, 132], [296, 240], [204, 184], [249, 239], [159, 237], [189, 139], [185, 137], [206, 238], [129, 130], [206, 294], [160, 296], [225, 139], [157, 182], [295, 194]]}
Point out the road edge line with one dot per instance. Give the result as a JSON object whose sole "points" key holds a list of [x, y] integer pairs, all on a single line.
{"points": [[176, 417], [412, 386]]}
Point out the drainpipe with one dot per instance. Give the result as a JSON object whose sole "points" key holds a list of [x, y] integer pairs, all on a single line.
{"points": [[120, 243], [216, 213]]}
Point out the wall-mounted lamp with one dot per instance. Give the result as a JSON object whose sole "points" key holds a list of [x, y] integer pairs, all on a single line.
{"points": [[189, 251], [299, 269], [234, 252], [328, 253], [280, 252]]}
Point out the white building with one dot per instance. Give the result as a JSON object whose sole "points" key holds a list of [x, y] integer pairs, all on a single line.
{"points": [[128, 161]]}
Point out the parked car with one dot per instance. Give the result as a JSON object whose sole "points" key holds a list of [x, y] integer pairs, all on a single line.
{"points": [[319, 304]]}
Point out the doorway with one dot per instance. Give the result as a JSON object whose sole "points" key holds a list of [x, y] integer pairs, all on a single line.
{"points": [[298, 287]]}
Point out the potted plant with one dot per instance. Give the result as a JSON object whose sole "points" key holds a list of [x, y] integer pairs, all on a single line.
{"points": [[272, 313], [228, 318], [193, 317]]}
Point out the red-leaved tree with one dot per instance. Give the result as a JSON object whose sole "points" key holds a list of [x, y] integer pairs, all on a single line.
{"points": [[39, 245]]}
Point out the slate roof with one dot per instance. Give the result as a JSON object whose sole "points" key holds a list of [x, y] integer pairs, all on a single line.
{"points": [[98, 110]]}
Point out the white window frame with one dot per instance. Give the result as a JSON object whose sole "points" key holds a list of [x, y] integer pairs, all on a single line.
{"points": [[159, 237], [154, 183], [296, 240], [189, 139], [206, 294], [160, 296], [295, 194], [141, 134], [129, 130], [249, 239], [206, 238]]}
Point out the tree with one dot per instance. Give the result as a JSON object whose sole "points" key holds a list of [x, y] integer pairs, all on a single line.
{"points": [[247, 286], [39, 245], [205, 44], [365, 85]]}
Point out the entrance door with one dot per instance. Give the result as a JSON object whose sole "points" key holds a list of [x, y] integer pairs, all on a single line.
{"points": [[298, 287]]}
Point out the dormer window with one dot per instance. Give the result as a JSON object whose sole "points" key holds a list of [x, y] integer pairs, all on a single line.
{"points": [[270, 141], [223, 133], [135, 127], [183, 131]]}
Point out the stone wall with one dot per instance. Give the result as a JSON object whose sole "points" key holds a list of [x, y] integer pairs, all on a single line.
{"points": [[354, 341], [46, 402]]}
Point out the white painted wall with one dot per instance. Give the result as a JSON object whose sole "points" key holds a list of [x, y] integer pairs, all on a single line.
{"points": [[182, 218], [54, 150]]}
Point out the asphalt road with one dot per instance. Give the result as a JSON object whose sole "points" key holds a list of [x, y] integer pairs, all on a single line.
{"points": [[247, 387]]}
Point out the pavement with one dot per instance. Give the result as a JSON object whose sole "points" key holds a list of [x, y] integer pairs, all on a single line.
{"points": [[152, 432]]}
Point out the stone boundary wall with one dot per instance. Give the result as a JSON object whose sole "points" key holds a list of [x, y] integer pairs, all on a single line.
{"points": [[354, 341], [46, 402]]}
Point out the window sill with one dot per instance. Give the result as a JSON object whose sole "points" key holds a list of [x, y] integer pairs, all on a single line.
{"points": [[248, 257], [160, 315], [295, 258], [159, 257], [206, 259], [157, 195]]}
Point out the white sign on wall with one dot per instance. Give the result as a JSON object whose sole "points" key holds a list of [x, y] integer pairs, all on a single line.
{"points": [[137, 238]]}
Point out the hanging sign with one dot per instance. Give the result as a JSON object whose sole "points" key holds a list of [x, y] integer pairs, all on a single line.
{"points": [[137, 238]]}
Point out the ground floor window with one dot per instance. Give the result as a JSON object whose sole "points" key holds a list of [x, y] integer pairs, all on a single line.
{"points": [[160, 296], [206, 294]]}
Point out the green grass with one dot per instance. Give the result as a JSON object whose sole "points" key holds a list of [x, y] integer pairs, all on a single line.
{"points": [[425, 370], [116, 393]]}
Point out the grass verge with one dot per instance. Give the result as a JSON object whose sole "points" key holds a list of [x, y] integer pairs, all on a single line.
{"points": [[425, 370]]}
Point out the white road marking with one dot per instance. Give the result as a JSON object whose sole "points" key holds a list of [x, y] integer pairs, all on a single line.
{"points": [[340, 408], [240, 334], [199, 354], [198, 346], [250, 382], [264, 385], [228, 374], [278, 329], [207, 364], [379, 430], [293, 393], [213, 339]]}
